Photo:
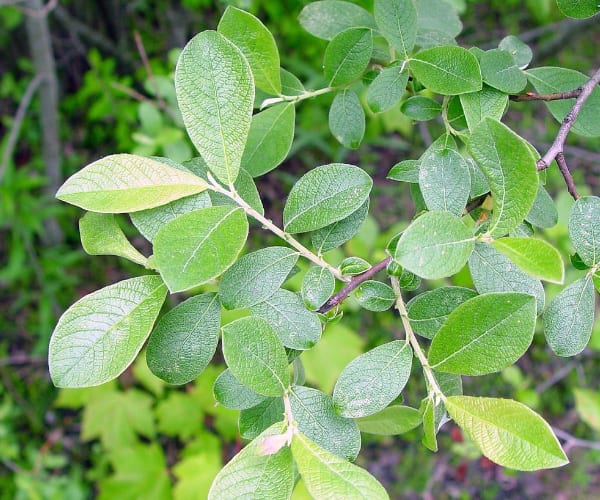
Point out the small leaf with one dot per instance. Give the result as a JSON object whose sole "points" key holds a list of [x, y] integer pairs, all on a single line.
{"points": [[543, 213], [375, 296], [536, 257], [510, 167], [255, 420], [185, 339], [397, 22], [584, 229], [488, 102], [430, 428], [587, 404], [387, 89], [325, 195], [270, 139], [569, 318], [102, 235], [127, 183], [507, 432], [519, 50], [257, 44], [435, 245], [447, 70], [390, 421], [253, 474], [233, 394], [296, 327], [329, 476], [336, 234], [215, 94], [99, 336], [373, 380], [256, 276], [421, 108], [347, 119], [347, 56], [326, 18], [317, 286], [579, 9], [353, 266], [405, 171], [197, 247], [484, 334], [499, 70], [255, 355]]}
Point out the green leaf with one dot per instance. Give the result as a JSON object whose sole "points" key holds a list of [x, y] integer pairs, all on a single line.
{"points": [[405, 171], [257, 44], [329, 476], [510, 167], [215, 93], [549, 80], [325, 19], [185, 339], [499, 70], [195, 473], [538, 258], [127, 183], [438, 23], [296, 327], [270, 139], [317, 286], [569, 318], [102, 235], [587, 404], [256, 276], [578, 8], [444, 180], [488, 102], [428, 311], [255, 420], [347, 119], [520, 51], [179, 415], [233, 394], [493, 272], [353, 266], [430, 429], [316, 417], [447, 70], [584, 229], [99, 336], [254, 474], [397, 22], [325, 195], [543, 213], [347, 56], [373, 380], [421, 108], [197, 247], [435, 245], [255, 356], [507, 432], [390, 421], [484, 334], [387, 89], [375, 296], [336, 234]]}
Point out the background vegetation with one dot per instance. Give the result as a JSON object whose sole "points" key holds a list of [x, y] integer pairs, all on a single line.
{"points": [[107, 84]]}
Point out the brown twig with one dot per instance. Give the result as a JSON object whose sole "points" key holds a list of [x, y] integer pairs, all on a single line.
{"points": [[532, 96], [573, 442], [564, 170], [146, 62]]}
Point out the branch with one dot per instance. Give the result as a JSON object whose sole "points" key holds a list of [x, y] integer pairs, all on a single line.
{"points": [[338, 298], [573, 442], [564, 170], [532, 96], [144, 56]]}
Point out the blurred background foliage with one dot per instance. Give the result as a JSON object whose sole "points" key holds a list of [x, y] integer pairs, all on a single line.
{"points": [[140, 438]]}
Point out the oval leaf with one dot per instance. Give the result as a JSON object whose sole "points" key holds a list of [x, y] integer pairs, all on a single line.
{"points": [[255, 420], [488, 102], [499, 70], [347, 56], [420, 108], [336, 234], [326, 18], [584, 229], [391, 421], [375, 296], [347, 119], [317, 286], [579, 9], [397, 22], [99, 336], [233, 394], [387, 89]]}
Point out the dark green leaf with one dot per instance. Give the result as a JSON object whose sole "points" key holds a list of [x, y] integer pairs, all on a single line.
{"points": [[499, 70], [347, 56], [255, 420], [347, 119], [405, 171], [231, 393], [488, 102], [375, 296], [578, 8], [336, 234], [390, 421], [387, 89], [421, 108], [317, 286], [397, 22]]}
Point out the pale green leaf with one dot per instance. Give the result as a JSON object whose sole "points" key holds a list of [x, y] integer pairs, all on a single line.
{"points": [[373, 380], [375, 296], [519, 50], [317, 286], [386, 90], [270, 138], [484, 334], [296, 327], [185, 339], [233, 394], [569, 318], [347, 119], [584, 229], [127, 183], [488, 102], [438, 23], [99, 336], [325, 195], [510, 167], [353, 266], [435, 245], [257, 44], [499, 70], [538, 258], [347, 56], [336, 234], [578, 8], [215, 93], [329, 476], [102, 235], [421, 108], [447, 70], [390, 421], [397, 22], [326, 18], [179, 415], [256, 276], [507, 432], [197, 247], [255, 355], [405, 171], [430, 428], [543, 213], [255, 420], [587, 404]]}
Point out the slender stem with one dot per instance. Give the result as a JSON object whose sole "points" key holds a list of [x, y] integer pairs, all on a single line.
{"points": [[295, 98], [532, 96], [412, 339], [305, 252], [564, 170], [573, 442]]}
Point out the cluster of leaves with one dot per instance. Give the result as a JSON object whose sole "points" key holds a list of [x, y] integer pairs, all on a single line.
{"points": [[195, 215]]}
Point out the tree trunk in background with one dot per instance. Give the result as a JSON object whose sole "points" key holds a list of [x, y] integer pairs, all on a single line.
{"points": [[40, 46]]}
